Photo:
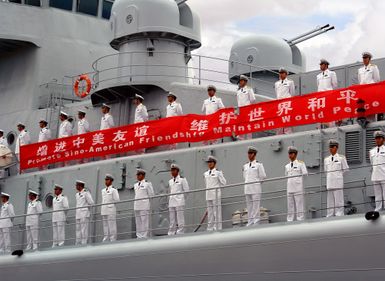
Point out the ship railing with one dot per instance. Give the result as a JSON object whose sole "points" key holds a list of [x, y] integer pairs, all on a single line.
{"points": [[231, 200]]}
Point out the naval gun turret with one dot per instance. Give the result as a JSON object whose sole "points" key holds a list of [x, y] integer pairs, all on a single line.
{"points": [[154, 39]]}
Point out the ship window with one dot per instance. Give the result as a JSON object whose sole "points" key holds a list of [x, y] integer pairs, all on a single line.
{"points": [[107, 5], [33, 2], [61, 4], [89, 7]]}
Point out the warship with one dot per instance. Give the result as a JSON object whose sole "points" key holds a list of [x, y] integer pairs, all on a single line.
{"points": [[147, 47]]}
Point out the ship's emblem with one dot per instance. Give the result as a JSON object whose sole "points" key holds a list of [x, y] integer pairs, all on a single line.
{"points": [[129, 19], [250, 59]]}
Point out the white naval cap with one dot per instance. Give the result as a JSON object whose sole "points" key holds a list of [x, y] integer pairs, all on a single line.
{"points": [[106, 105], [43, 121], [63, 113], [292, 149], [56, 185], [333, 142], [33, 192], [211, 159], [171, 94], [139, 97], [109, 177], [82, 111], [5, 194], [243, 77], [175, 166], [252, 149], [1, 131], [211, 87], [367, 55], [379, 134], [282, 70], [324, 61], [140, 171], [80, 182], [20, 124]]}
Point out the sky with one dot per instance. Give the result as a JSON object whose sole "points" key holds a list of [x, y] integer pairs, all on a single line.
{"points": [[359, 26]]}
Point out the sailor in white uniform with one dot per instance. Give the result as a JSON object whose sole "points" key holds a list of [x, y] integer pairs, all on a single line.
{"points": [[141, 114], [295, 171], [22, 139], [32, 220], [60, 206], [214, 179], [176, 202], [212, 105], [107, 121], [335, 166], [377, 159], [45, 133], [143, 192], [110, 196], [253, 173], [65, 129], [245, 96], [84, 202], [174, 108], [284, 88], [369, 73], [83, 125], [6, 216], [3, 140]]}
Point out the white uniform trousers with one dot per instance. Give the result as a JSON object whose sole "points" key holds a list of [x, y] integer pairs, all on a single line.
{"points": [[109, 228], [176, 220], [335, 203], [5, 240], [82, 226], [58, 231], [295, 206], [142, 219], [379, 194], [32, 237], [253, 202], [214, 215]]}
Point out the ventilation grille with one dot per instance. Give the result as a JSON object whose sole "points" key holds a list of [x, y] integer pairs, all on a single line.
{"points": [[369, 142], [353, 149]]}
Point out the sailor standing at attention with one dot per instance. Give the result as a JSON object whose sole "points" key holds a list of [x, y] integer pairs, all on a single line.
{"points": [[295, 171], [141, 114], [22, 139], [6, 216], [32, 220], [83, 125], [211, 105], [284, 88], [110, 196], [143, 191], [107, 122], [377, 159], [83, 203], [174, 108], [176, 202], [245, 96], [335, 167], [45, 133], [60, 205], [65, 129], [214, 179], [3, 140], [253, 173]]}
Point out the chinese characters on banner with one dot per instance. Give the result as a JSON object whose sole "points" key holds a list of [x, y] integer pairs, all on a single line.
{"points": [[313, 108]]}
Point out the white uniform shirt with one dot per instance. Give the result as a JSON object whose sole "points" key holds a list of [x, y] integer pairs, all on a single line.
{"points": [[6, 215], [174, 109], [335, 167], [368, 74], [212, 105], [3, 141], [177, 185], [44, 134], [109, 195], [252, 172], [107, 122], [60, 204], [214, 178], [34, 210], [327, 80], [143, 190], [65, 129], [284, 88], [83, 126], [245, 96], [377, 159], [83, 199], [141, 114], [295, 170], [22, 139]]}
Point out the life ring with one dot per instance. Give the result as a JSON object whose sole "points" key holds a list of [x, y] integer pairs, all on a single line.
{"points": [[87, 91]]}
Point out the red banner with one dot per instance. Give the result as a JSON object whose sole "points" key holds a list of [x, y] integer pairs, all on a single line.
{"points": [[313, 108]]}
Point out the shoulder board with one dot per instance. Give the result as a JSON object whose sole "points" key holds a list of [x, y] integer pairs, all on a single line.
{"points": [[372, 64], [300, 161], [181, 177], [342, 156]]}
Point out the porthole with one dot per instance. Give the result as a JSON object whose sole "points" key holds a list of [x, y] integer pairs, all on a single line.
{"points": [[11, 137], [48, 200]]}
